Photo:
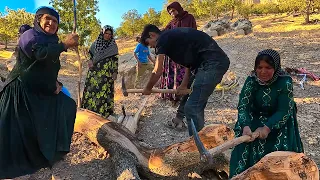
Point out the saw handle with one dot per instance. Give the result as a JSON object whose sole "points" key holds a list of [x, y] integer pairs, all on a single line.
{"points": [[170, 91]]}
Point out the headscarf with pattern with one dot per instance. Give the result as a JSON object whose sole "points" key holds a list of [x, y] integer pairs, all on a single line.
{"points": [[102, 48], [277, 67]]}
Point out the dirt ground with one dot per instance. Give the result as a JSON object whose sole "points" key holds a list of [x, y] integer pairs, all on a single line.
{"points": [[298, 49]]}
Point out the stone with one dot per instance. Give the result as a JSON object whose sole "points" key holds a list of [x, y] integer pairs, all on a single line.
{"points": [[213, 33], [216, 27], [241, 32], [244, 24]]}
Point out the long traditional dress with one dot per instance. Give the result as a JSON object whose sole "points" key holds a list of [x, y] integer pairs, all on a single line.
{"points": [[173, 73], [36, 125], [98, 94], [271, 105]]}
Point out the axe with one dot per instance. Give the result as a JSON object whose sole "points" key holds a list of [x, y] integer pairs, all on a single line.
{"points": [[126, 91]]}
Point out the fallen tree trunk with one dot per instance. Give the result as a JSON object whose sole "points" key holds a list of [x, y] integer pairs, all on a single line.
{"points": [[131, 157], [282, 165]]}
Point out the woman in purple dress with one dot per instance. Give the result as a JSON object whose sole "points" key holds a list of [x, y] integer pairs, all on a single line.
{"points": [[173, 73]]}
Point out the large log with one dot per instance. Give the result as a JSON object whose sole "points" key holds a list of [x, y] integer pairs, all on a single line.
{"points": [[282, 165], [129, 154]]}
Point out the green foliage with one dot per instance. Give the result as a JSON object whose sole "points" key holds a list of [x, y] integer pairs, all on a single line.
{"points": [[302, 6], [133, 22], [292, 5], [267, 8], [151, 17], [210, 8], [10, 22], [165, 17], [244, 10], [88, 26]]}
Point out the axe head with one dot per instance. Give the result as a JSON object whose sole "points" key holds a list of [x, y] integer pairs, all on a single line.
{"points": [[123, 87]]}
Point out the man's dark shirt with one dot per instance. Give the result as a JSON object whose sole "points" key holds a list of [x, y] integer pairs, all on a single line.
{"points": [[190, 47]]}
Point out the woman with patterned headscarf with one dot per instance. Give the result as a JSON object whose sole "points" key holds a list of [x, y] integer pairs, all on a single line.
{"points": [[266, 106], [36, 119], [98, 92]]}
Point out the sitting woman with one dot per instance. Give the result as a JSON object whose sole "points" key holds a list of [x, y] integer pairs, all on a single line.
{"points": [[103, 69], [266, 107], [36, 120]]}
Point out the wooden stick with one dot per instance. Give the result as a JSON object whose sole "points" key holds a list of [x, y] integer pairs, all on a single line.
{"points": [[77, 52], [232, 143], [132, 124], [171, 91]]}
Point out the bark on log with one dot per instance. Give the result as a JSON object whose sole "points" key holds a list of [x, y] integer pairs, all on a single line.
{"points": [[128, 154], [282, 165]]}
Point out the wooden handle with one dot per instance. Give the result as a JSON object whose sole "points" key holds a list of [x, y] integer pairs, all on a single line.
{"points": [[171, 91], [232, 143]]}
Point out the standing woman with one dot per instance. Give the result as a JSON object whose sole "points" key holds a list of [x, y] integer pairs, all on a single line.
{"points": [[98, 92], [173, 73], [36, 119]]}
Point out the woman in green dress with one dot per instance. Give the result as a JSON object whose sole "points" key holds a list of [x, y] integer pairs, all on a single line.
{"points": [[266, 106], [98, 92]]}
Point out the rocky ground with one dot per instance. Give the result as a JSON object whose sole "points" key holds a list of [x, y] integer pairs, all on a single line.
{"points": [[297, 48]]}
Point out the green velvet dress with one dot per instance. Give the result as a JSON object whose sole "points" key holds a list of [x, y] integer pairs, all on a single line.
{"points": [[36, 125], [271, 105]]}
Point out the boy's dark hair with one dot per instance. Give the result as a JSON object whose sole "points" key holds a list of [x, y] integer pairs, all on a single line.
{"points": [[145, 33], [138, 39]]}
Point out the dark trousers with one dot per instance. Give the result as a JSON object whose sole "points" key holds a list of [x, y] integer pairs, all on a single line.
{"points": [[203, 83]]}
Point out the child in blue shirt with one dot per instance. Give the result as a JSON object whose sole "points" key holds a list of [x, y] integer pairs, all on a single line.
{"points": [[142, 55]]}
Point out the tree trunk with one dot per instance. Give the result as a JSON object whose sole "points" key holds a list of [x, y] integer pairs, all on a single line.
{"points": [[132, 157], [6, 44], [307, 18], [282, 165], [232, 14]]}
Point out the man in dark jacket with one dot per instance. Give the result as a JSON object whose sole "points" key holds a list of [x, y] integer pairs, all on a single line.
{"points": [[205, 63]]}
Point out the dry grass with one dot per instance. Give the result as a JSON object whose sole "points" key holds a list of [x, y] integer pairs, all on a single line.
{"points": [[126, 45], [283, 23], [5, 54]]}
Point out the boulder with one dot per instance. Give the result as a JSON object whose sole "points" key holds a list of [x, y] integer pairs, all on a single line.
{"points": [[242, 24], [216, 27]]}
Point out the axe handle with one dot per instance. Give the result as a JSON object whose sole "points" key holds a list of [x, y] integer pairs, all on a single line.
{"points": [[170, 91], [231, 144]]}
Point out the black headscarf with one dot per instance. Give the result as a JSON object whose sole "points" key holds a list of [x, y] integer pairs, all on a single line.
{"points": [[40, 12], [37, 35], [277, 66]]}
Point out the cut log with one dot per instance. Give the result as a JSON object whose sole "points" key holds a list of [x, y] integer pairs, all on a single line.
{"points": [[120, 119], [177, 160], [132, 123], [125, 120], [282, 165]]}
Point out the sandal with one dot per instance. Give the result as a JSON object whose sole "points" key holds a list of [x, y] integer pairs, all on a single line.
{"points": [[180, 126]]}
